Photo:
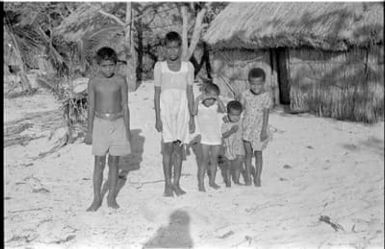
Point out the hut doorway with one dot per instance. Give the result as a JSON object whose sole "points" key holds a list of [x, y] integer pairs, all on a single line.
{"points": [[283, 75]]}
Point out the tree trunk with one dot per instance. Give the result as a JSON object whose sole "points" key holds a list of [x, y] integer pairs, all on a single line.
{"points": [[130, 50], [196, 33], [184, 14], [187, 51], [26, 85]]}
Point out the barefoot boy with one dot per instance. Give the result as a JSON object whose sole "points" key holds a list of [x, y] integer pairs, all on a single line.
{"points": [[173, 80], [108, 124]]}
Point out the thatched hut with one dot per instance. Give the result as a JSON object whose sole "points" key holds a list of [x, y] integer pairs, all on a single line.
{"points": [[325, 58]]}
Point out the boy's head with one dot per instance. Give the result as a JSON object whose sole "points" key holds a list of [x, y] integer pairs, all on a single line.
{"points": [[256, 79], [173, 43], [234, 110], [106, 58], [211, 92]]}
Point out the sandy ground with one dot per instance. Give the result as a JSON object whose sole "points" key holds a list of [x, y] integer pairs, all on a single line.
{"points": [[313, 167]]}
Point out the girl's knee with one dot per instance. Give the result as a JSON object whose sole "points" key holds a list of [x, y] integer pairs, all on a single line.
{"points": [[258, 154], [100, 161], [248, 155], [167, 148], [113, 161]]}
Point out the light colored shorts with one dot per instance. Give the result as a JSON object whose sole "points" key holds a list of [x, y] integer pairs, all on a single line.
{"points": [[109, 136]]}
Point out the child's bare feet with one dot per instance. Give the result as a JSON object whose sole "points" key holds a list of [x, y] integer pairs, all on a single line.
{"points": [[168, 191], [111, 202], [201, 188], [95, 205], [214, 185], [257, 182], [178, 191], [228, 184], [248, 183]]}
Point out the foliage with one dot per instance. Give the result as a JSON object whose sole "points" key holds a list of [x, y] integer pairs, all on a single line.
{"points": [[32, 26]]}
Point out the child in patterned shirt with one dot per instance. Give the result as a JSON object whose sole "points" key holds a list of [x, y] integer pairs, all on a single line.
{"points": [[255, 134], [232, 137]]}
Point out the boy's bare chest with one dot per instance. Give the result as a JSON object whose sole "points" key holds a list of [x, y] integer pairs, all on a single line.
{"points": [[107, 87]]}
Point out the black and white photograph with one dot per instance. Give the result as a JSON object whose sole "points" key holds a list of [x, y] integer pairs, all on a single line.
{"points": [[224, 125]]}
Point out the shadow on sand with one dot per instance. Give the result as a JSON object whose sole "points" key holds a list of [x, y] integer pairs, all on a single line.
{"points": [[372, 144], [175, 235], [128, 163]]}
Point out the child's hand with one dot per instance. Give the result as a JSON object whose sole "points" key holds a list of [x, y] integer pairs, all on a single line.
{"points": [[192, 125], [88, 138], [234, 128], [158, 125], [263, 135], [225, 119], [128, 135]]}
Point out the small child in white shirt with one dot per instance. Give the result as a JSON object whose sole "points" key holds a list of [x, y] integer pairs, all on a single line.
{"points": [[209, 110]]}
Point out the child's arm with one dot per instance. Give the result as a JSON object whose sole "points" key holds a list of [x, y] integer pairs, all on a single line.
{"points": [[126, 110], [91, 112], [264, 124], [189, 89], [190, 96], [190, 102], [230, 132], [158, 124], [266, 110], [221, 106], [157, 83], [196, 104]]}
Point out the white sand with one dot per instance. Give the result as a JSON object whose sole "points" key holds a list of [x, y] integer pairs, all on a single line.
{"points": [[313, 167]]}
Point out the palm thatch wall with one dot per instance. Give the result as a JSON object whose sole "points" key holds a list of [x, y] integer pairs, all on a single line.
{"points": [[326, 55], [230, 69], [347, 86]]}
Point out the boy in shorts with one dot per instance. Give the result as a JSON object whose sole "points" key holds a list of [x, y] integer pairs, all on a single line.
{"points": [[108, 124]]}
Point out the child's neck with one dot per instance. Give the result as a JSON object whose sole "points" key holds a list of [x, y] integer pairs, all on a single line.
{"points": [[256, 94], [174, 65], [228, 118], [173, 62], [104, 76]]}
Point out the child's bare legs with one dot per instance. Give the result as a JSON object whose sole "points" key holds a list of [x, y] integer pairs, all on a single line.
{"points": [[100, 162], [214, 152], [197, 148], [203, 167], [113, 171], [258, 166], [248, 156], [228, 168], [167, 165], [237, 165], [178, 150]]}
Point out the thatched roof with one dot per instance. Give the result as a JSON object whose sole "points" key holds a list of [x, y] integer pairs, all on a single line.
{"points": [[325, 25]]}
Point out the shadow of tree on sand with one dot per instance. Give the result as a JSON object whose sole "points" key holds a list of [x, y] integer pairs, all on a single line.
{"points": [[175, 235], [372, 143], [129, 163]]}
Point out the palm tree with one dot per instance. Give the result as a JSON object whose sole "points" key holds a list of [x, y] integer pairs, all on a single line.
{"points": [[28, 27]]}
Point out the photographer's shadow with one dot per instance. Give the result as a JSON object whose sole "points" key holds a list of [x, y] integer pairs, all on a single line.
{"points": [[128, 163], [175, 235]]}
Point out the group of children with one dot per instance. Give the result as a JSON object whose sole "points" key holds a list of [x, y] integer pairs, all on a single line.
{"points": [[241, 126]]}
